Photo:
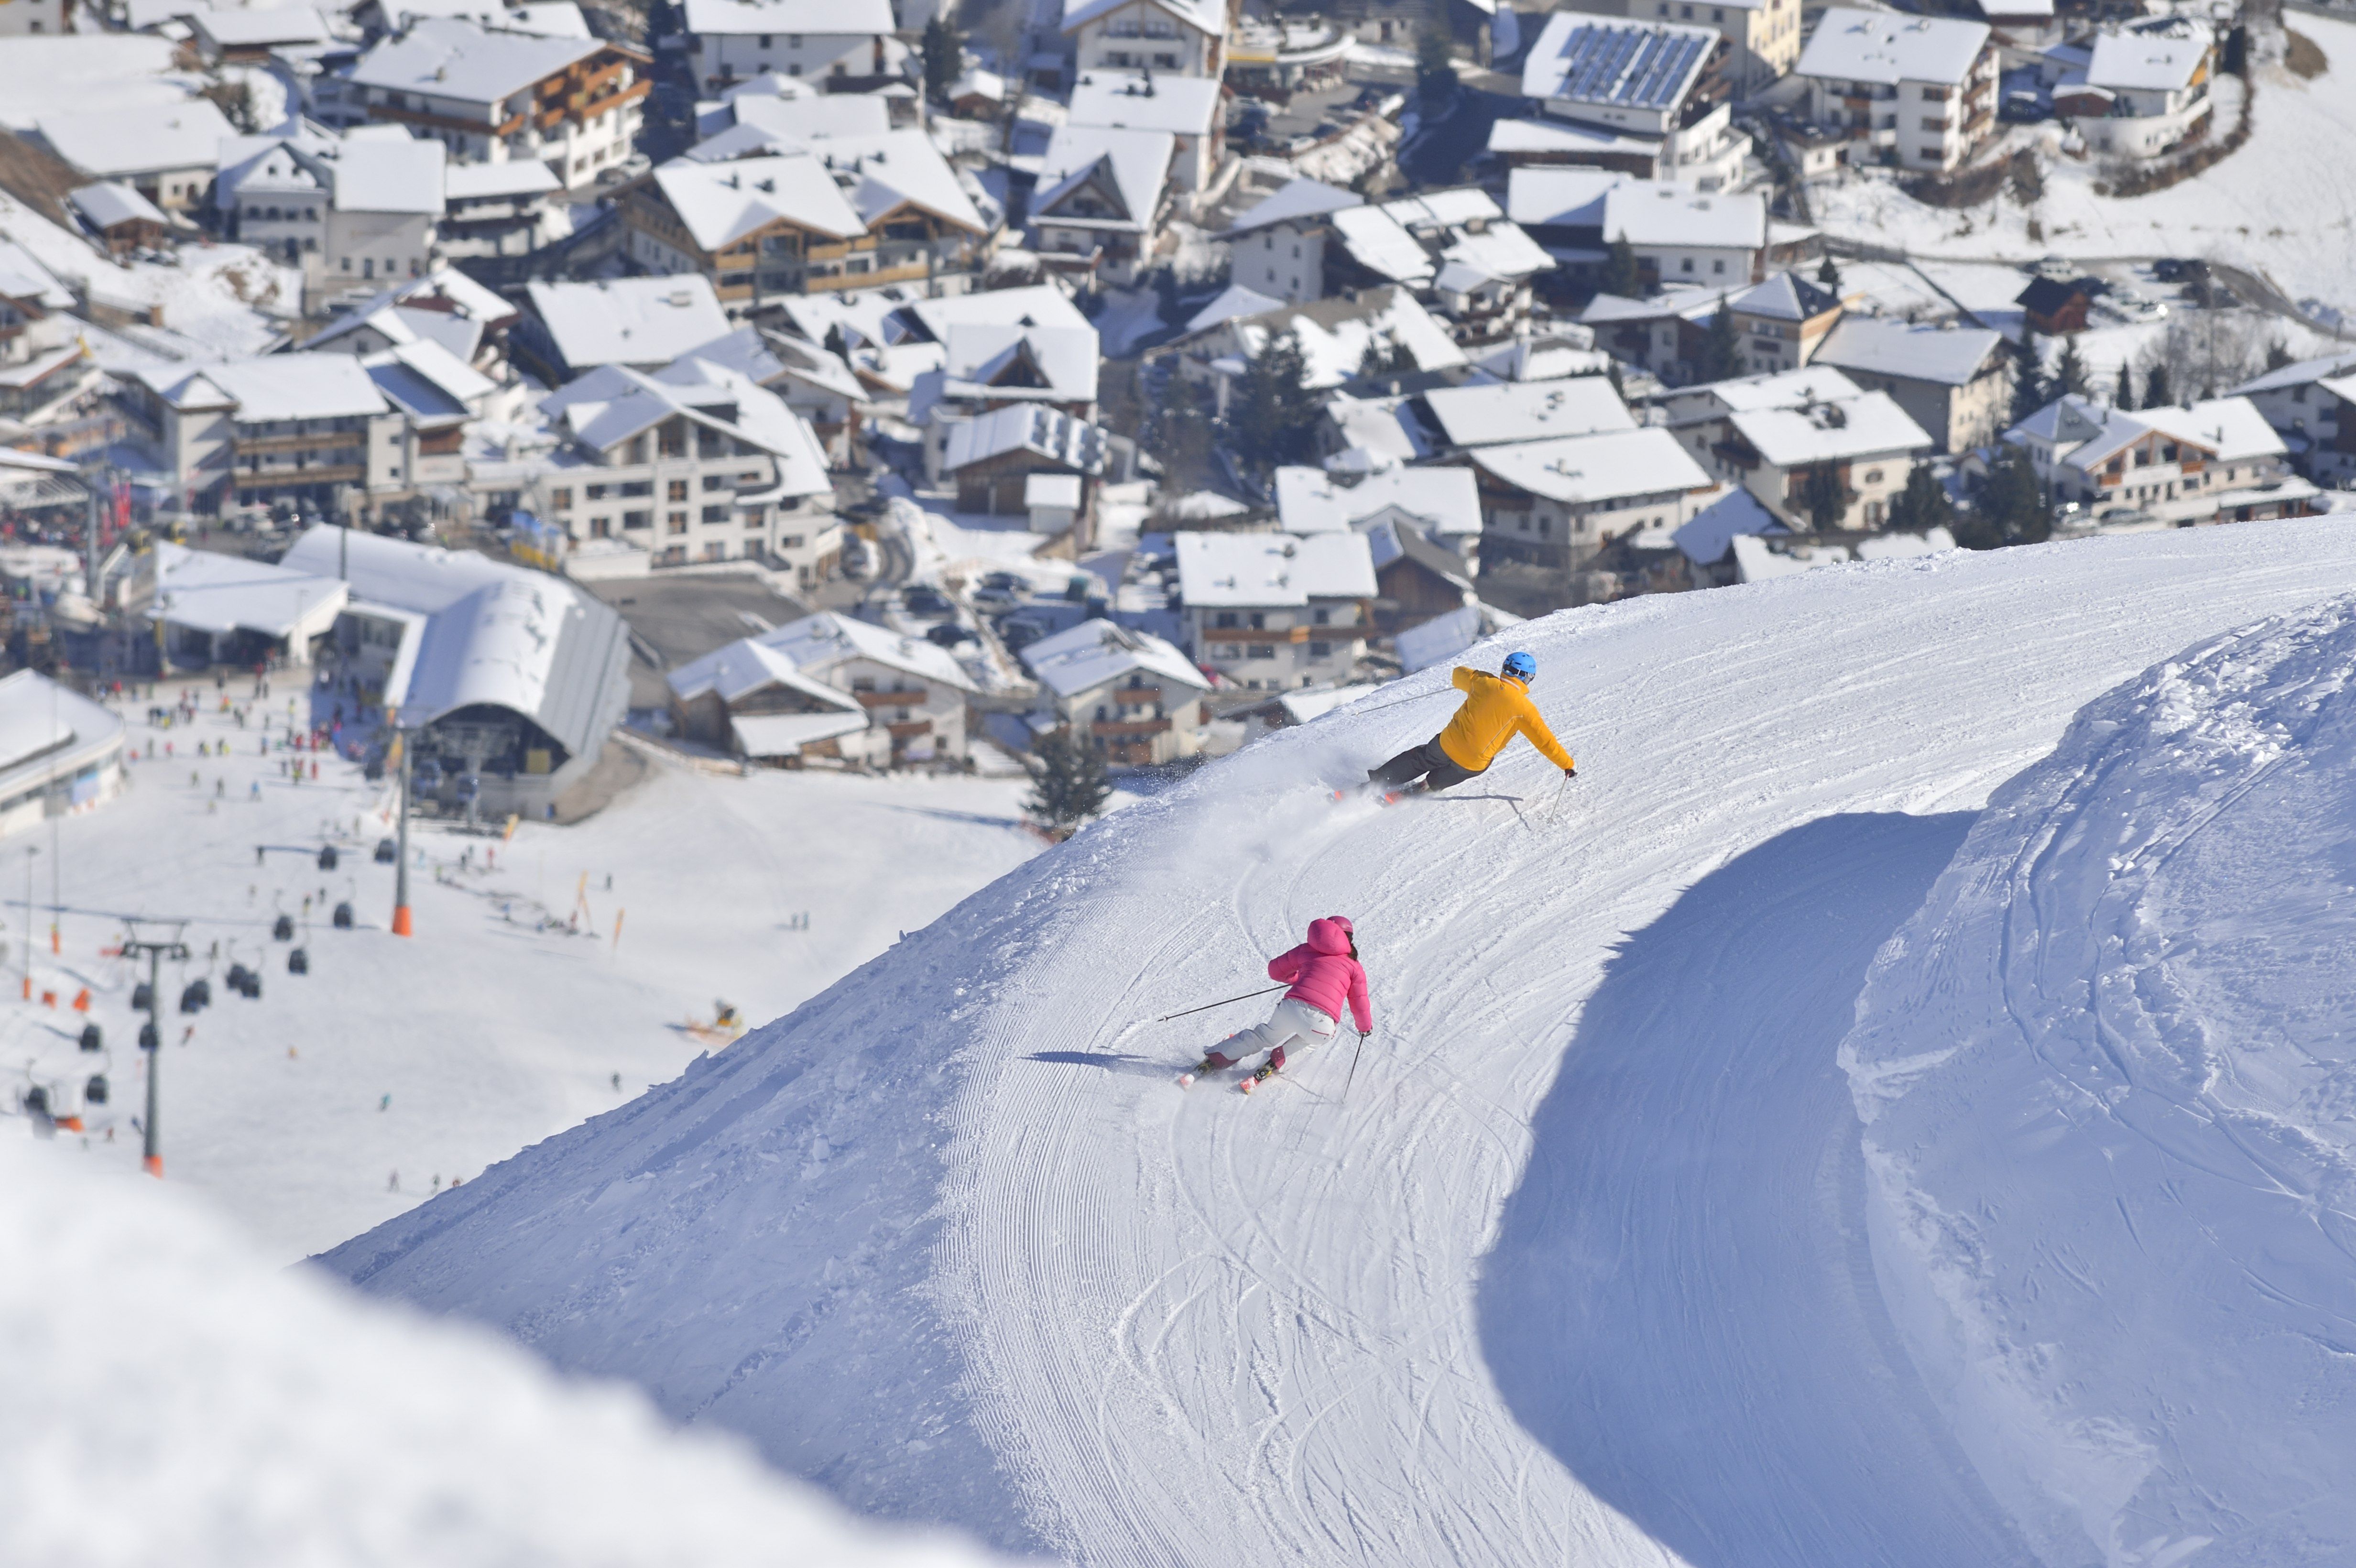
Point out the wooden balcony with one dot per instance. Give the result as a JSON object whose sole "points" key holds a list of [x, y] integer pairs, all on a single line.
{"points": [[1117, 728], [273, 478], [910, 731], [275, 445], [890, 699]]}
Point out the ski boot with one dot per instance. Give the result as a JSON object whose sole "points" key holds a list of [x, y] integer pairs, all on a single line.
{"points": [[1265, 1071], [1214, 1062]]}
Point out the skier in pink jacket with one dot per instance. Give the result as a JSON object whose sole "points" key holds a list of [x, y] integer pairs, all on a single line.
{"points": [[1325, 975]]}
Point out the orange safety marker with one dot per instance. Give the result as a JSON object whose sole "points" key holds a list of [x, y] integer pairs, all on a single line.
{"points": [[81, 1000], [400, 920], [48, 998], [154, 1164]]}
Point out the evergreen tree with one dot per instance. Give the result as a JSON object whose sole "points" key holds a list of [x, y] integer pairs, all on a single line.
{"points": [[1825, 498], [2012, 509], [2155, 393], [1275, 415], [2070, 376], [836, 344], [1829, 275], [1067, 780], [2277, 355], [2124, 399], [944, 54], [2029, 392], [1621, 275], [1435, 67], [1722, 349], [1922, 505]]}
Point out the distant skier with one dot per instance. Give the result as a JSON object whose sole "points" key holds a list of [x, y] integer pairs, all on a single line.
{"points": [[1496, 708], [1324, 974]]}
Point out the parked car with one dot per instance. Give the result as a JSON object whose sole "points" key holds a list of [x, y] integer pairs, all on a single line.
{"points": [[949, 634], [920, 599], [2023, 106]]}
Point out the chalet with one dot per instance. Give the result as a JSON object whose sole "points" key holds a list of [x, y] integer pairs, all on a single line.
{"points": [[986, 367], [1663, 333], [1550, 504], [838, 40], [1128, 696], [1188, 107], [2147, 87], [842, 212], [1101, 197], [1678, 235], [1916, 92], [2312, 406], [1274, 610], [120, 218], [1278, 246], [1781, 321], [2056, 308], [1468, 416], [2213, 462], [912, 694], [645, 323], [1416, 579], [1441, 503], [1953, 381], [165, 152], [1651, 99], [991, 457], [1176, 37], [44, 365], [1804, 443], [754, 702]]}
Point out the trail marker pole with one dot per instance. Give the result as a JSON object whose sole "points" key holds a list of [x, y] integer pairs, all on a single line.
{"points": [[400, 926]]}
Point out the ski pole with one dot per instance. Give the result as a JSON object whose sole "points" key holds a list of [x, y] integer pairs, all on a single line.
{"points": [[1206, 1006], [1353, 1078], [1397, 702]]}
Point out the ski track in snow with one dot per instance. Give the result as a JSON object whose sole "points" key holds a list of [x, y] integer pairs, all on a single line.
{"points": [[1548, 1288]]}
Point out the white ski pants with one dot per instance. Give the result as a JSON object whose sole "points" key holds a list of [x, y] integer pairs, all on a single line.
{"points": [[1293, 1020]]}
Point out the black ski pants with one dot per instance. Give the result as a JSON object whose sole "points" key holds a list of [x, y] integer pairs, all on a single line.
{"points": [[1435, 767]]}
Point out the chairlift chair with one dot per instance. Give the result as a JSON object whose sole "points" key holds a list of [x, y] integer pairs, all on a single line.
{"points": [[194, 995], [282, 928], [327, 858], [298, 961], [92, 1038], [386, 852], [148, 1038], [142, 997], [95, 1089], [344, 916]]}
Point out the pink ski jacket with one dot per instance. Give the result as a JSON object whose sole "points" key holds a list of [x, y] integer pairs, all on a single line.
{"points": [[1324, 974]]}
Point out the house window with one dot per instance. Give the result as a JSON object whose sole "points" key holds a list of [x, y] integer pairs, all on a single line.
{"points": [[1263, 651], [596, 492], [558, 500], [715, 482], [1321, 616], [1719, 265], [1873, 475], [678, 490], [1320, 650], [1258, 621], [637, 519], [715, 513], [1225, 619], [765, 41], [1686, 265], [675, 522]]}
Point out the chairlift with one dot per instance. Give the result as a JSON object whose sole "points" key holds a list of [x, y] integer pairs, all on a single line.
{"points": [[386, 852], [148, 1038], [95, 1089], [344, 915], [282, 928], [36, 1100], [92, 1038], [142, 997], [195, 996], [299, 962], [236, 977], [327, 858]]}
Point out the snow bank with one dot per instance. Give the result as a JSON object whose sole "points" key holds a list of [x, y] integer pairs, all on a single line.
{"points": [[173, 1398], [2110, 1086]]}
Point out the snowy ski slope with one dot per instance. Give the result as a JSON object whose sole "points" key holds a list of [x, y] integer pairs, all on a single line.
{"points": [[1580, 1271]]}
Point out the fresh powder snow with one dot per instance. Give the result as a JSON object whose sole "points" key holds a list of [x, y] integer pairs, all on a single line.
{"points": [[1574, 1268]]}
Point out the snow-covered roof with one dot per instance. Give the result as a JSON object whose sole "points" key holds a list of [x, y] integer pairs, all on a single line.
{"points": [[547, 18], [1235, 301], [139, 138], [427, 381], [2157, 54], [1036, 305], [1500, 250], [494, 633], [1950, 356], [628, 321], [1553, 197], [1203, 16], [484, 181], [1380, 243], [1446, 500], [1706, 537], [721, 203], [1140, 100], [257, 27], [2230, 427], [891, 169], [1785, 297], [22, 277], [613, 403], [390, 173], [768, 358], [836, 18], [1300, 198], [1589, 468], [1095, 652], [1584, 58], [1555, 136], [1136, 163], [1052, 363], [826, 638], [1335, 334], [746, 665], [1568, 350], [225, 594], [1769, 389], [1823, 431], [2297, 374], [448, 58], [1025, 427], [108, 203], [783, 734], [297, 387], [1890, 47], [1528, 411], [1266, 570], [809, 117], [1663, 213], [1377, 433]]}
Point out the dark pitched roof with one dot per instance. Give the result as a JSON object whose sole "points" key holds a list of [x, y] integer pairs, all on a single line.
{"points": [[2045, 296]]}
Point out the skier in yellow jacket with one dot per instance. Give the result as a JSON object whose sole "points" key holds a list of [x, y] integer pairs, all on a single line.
{"points": [[1496, 708]]}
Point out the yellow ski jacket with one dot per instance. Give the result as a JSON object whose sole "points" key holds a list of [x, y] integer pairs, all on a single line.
{"points": [[1494, 710]]}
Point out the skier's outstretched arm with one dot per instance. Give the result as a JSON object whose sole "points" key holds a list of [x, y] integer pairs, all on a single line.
{"points": [[1286, 967], [1534, 728]]}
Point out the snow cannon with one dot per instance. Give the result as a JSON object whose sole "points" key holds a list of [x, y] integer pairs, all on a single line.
{"points": [[195, 996], [142, 997], [92, 1038], [282, 929], [148, 1038], [299, 962], [344, 916], [327, 858]]}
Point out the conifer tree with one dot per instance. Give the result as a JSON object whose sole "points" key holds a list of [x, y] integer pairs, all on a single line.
{"points": [[2277, 354], [2155, 393], [1275, 415], [1068, 782], [2125, 399], [1825, 497], [1922, 505], [1722, 350], [2029, 391], [2011, 504], [2070, 375], [943, 54], [1829, 275], [1621, 275]]}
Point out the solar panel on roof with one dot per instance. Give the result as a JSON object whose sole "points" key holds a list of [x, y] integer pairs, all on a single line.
{"points": [[1609, 59]]}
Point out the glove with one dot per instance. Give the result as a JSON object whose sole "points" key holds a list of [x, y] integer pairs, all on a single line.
{"points": [[1570, 772]]}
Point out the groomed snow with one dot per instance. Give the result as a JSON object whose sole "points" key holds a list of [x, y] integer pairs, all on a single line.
{"points": [[174, 1397], [2110, 1099], [1574, 1270]]}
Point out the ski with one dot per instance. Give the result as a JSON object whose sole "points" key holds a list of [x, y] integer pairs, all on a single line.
{"points": [[1186, 1079], [1259, 1076]]}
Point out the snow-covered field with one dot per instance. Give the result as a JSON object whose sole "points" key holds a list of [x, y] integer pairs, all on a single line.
{"points": [[487, 1032], [1575, 1267], [2284, 204]]}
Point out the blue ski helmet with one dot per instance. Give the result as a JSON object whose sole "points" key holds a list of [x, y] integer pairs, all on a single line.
{"points": [[1521, 667]]}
